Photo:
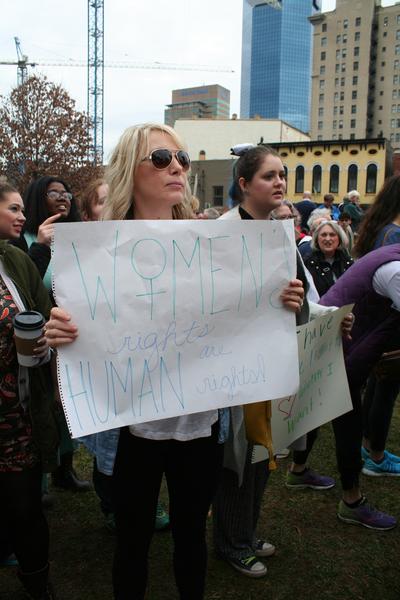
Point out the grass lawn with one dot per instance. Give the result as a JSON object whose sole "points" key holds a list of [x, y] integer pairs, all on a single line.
{"points": [[318, 557]]}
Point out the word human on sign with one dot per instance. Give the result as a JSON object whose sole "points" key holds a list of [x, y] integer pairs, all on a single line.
{"points": [[174, 317]]}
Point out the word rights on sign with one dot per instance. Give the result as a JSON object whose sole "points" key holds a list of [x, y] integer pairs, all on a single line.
{"points": [[174, 318]]}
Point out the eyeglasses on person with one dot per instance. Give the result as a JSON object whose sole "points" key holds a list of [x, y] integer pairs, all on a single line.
{"points": [[54, 195], [162, 158]]}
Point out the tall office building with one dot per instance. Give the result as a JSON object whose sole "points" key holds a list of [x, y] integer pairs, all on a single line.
{"points": [[356, 72], [276, 60], [203, 102]]}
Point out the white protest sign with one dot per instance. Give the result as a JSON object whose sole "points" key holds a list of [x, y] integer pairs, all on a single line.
{"points": [[323, 392], [174, 317]]}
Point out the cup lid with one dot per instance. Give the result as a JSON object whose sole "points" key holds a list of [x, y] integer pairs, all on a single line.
{"points": [[28, 320]]}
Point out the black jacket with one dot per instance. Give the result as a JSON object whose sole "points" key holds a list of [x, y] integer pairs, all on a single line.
{"points": [[324, 273]]}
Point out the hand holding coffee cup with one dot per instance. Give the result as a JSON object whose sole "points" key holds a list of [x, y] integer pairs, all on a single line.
{"points": [[30, 342]]}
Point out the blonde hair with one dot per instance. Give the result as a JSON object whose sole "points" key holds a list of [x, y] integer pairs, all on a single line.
{"points": [[120, 174], [88, 198]]}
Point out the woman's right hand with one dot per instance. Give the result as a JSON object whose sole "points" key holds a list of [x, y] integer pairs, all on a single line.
{"points": [[59, 330], [46, 230]]}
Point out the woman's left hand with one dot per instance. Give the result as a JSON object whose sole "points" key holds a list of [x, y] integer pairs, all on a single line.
{"points": [[293, 295], [347, 326]]}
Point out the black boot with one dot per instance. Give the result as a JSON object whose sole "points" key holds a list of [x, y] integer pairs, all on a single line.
{"points": [[65, 476], [37, 584]]}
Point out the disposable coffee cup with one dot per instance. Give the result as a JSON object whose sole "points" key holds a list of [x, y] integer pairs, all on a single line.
{"points": [[28, 329]]}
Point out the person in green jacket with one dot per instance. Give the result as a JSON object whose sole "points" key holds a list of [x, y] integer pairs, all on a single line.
{"points": [[28, 430]]}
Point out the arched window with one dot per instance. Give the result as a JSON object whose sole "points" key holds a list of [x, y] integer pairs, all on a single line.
{"points": [[334, 179], [372, 171], [352, 177], [286, 171], [299, 182], [316, 179]]}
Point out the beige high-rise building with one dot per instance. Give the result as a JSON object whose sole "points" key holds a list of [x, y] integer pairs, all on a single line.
{"points": [[356, 72]]}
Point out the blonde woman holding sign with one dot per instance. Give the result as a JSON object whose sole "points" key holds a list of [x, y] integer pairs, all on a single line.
{"points": [[147, 176]]}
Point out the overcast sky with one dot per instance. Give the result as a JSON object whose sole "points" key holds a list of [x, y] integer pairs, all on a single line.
{"points": [[173, 31]]}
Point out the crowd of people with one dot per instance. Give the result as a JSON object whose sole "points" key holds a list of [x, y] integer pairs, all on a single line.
{"points": [[343, 257]]}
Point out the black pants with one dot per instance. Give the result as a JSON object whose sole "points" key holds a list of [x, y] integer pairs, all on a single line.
{"points": [[348, 436], [192, 470], [378, 403], [23, 527], [103, 487]]}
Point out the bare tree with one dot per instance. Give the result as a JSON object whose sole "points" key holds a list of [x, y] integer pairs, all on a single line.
{"points": [[42, 133]]}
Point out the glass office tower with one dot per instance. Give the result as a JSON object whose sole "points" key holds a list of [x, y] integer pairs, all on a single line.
{"points": [[276, 60]]}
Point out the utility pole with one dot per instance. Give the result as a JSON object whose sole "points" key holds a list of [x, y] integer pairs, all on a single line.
{"points": [[95, 89]]}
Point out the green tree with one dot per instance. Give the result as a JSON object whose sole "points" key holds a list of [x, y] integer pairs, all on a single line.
{"points": [[42, 133]]}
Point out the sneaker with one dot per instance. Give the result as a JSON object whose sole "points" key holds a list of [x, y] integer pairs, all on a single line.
{"points": [[9, 561], [309, 479], [393, 457], [162, 518], [249, 566], [366, 515], [264, 548], [386, 467]]}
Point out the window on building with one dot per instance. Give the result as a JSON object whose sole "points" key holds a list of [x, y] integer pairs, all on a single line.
{"points": [[352, 123], [320, 137], [344, 38], [337, 68], [322, 70], [340, 136], [382, 78], [354, 95], [334, 136], [299, 180], [383, 63], [323, 55], [334, 179], [397, 137], [338, 53], [218, 195], [320, 112], [381, 93], [385, 34], [397, 123], [358, 21], [341, 96], [338, 38], [393, 123], [323, 41], [334, 124], [321, 84], [394, 107], [398, 34], [398, 19], [345, 23], [394, 94], [372, 171], [343, 67], [352, 175], [353, 109], [316, 179], [355, 65], [385, 21], [336, 81], [355, 80], [342, 81], [397, 49], [340, 124], [344, 52], [357, 36], [356, 51], [321, 98], [398, 108], [383, 48], [324, 27], [396, 64], [320, 125], [336, 96], [335, 111], [395, 79], [341, 110], [392, 137]]}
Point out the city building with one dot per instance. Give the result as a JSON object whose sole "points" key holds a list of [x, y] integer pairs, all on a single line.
{"points": [[276, 60], [356, 72], [203, 102], [213, 139], [323, 167]]}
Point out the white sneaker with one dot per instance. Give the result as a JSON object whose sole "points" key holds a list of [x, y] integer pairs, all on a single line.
{"points": [[249, 566], [264, 549]]}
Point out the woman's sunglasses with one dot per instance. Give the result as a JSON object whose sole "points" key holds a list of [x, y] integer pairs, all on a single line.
{"points": [[162, 158]]}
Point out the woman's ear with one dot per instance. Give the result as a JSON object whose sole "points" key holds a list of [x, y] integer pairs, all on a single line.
{"points": [[242, 184]]}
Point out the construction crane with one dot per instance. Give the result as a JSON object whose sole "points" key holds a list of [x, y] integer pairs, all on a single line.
{"points": [[22, 63]]}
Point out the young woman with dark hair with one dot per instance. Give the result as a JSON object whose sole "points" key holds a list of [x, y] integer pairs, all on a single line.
{"points": [[28, 433], [49, 200], [381, 227]]}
